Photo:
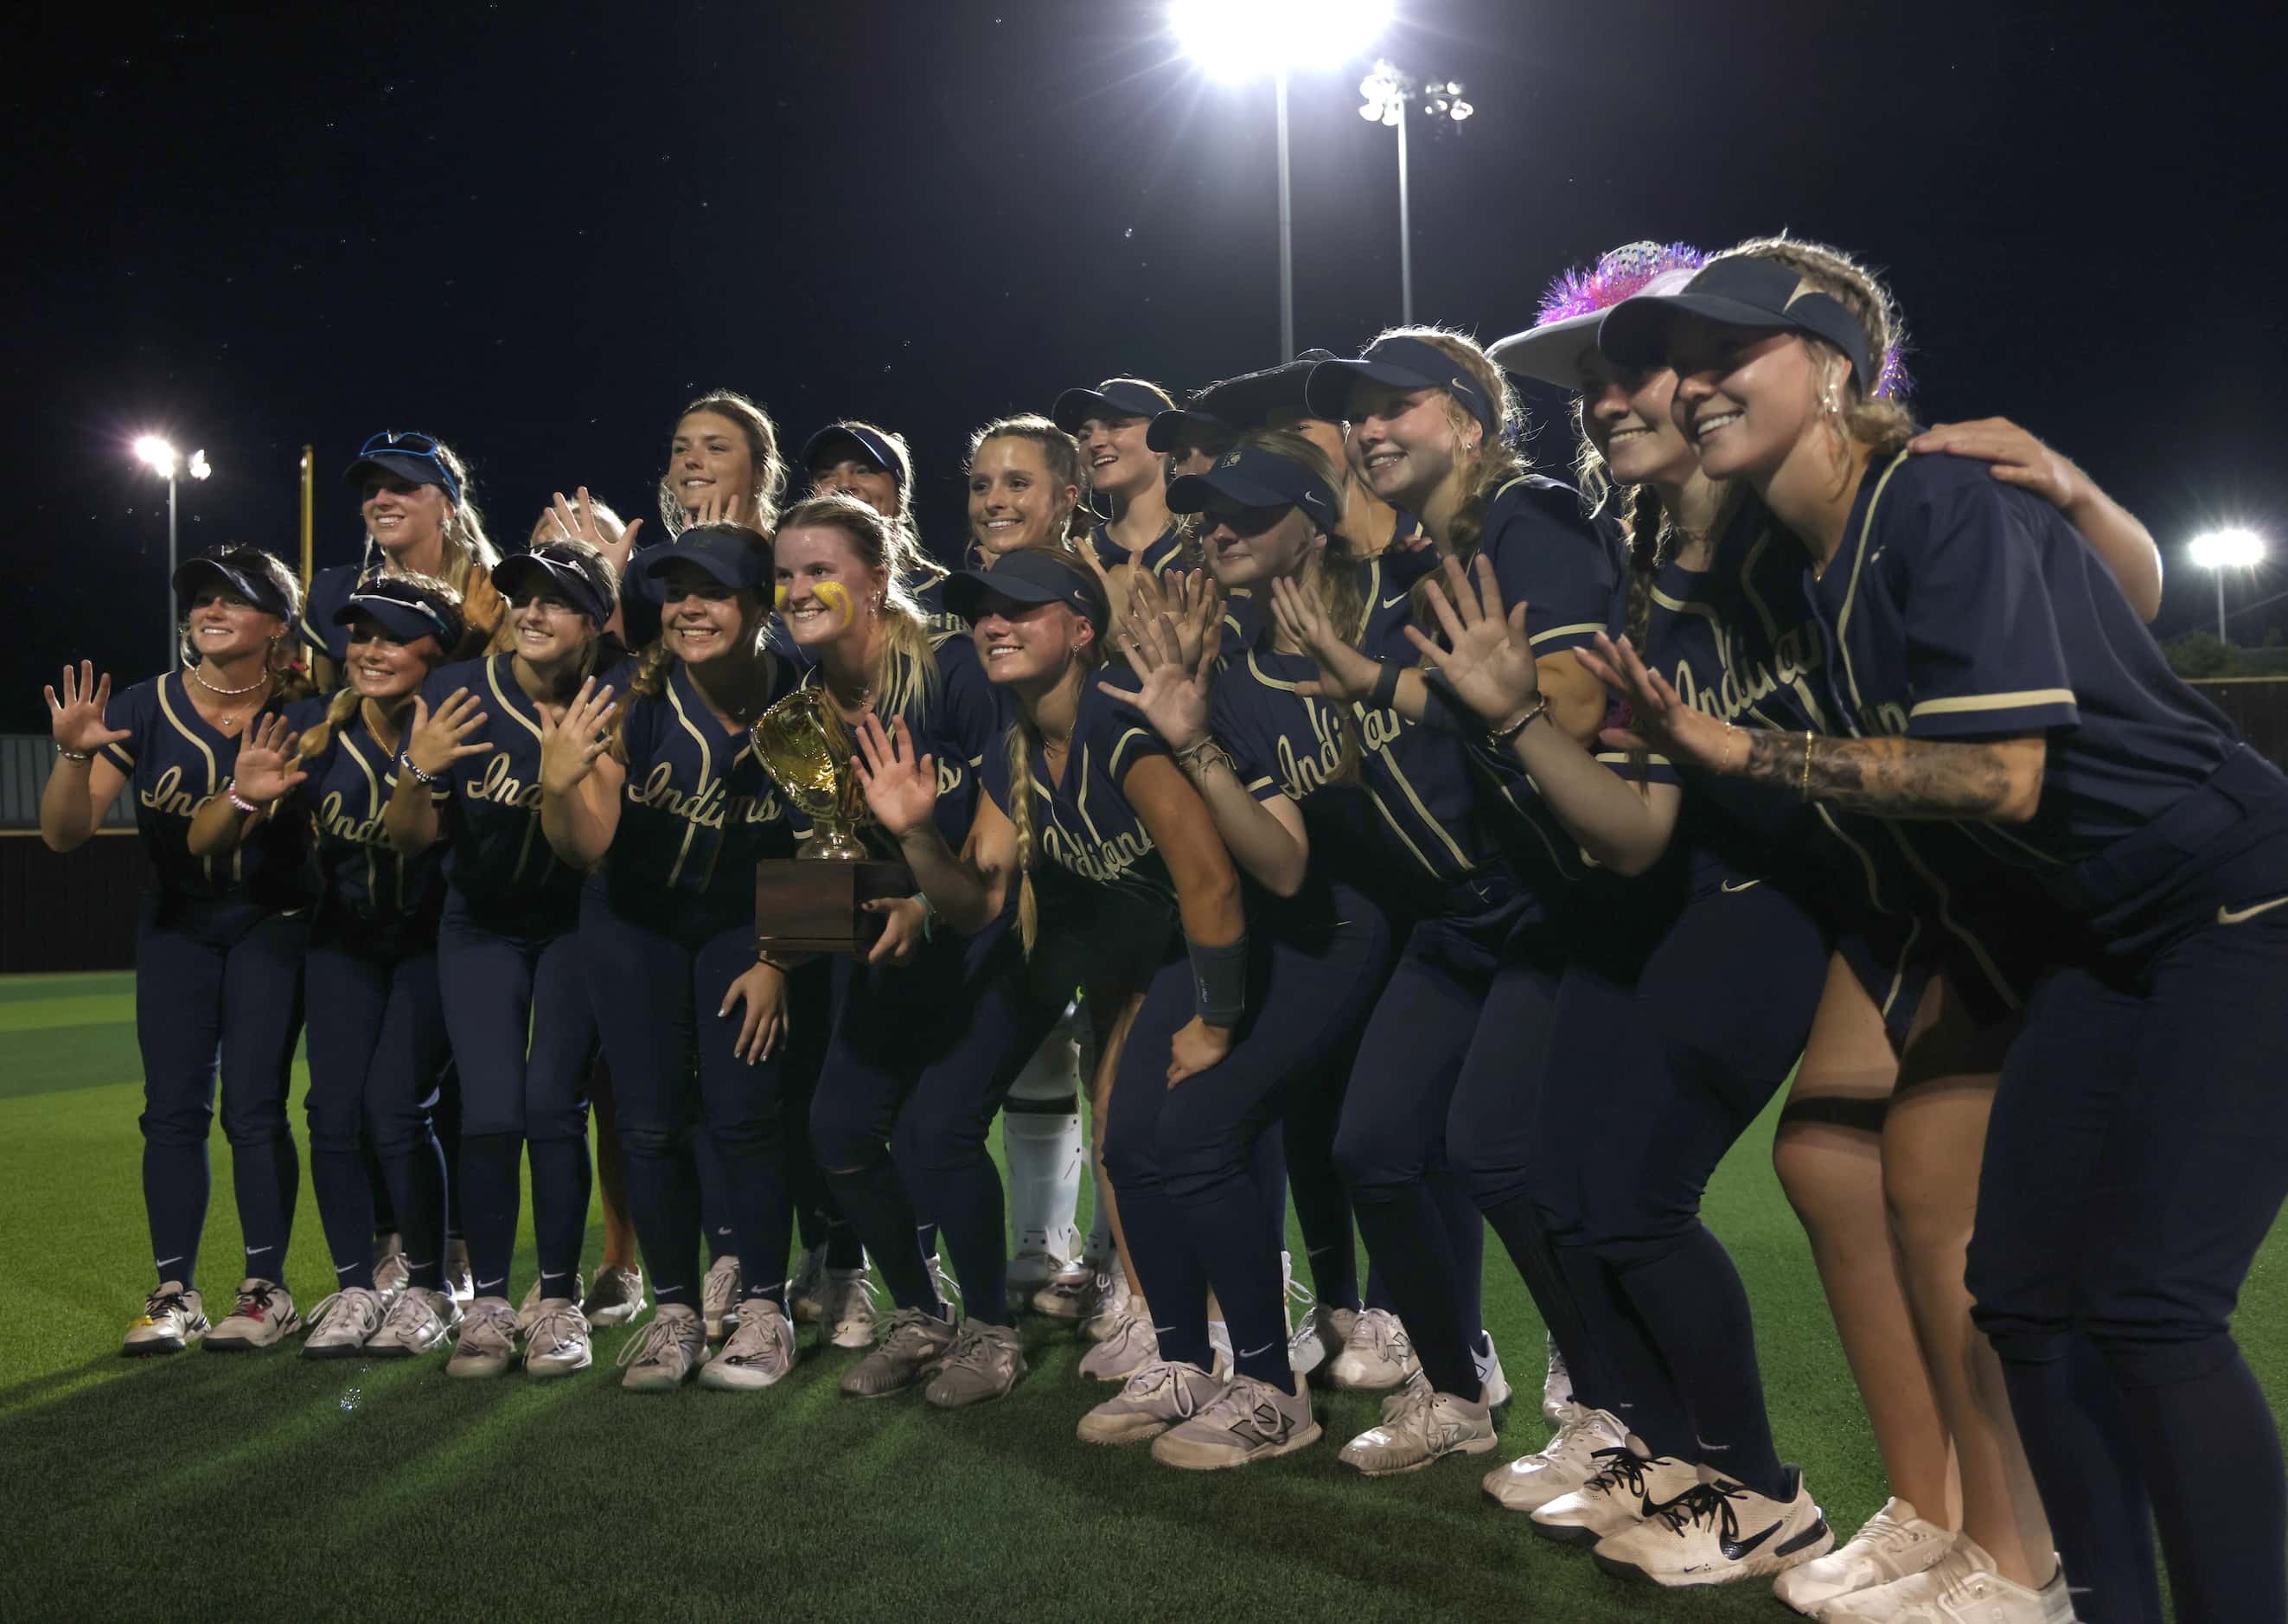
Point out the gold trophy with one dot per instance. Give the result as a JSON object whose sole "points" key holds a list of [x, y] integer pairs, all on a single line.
{"points": [[815, 902]]}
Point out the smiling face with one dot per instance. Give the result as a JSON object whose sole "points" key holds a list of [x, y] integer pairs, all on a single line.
{"points": [[710, 457], [1403, 442], [703, 619], [1118, 462], [382, 668], [1247, 546], [1626, 415], [547, 628], [1014, 501], [1027, 645], [824, 588], [1744, 397], [857, 477], [404, 518], [225, 626]]}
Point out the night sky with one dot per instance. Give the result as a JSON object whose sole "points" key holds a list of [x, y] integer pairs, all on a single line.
{"points": [[538, 230]]}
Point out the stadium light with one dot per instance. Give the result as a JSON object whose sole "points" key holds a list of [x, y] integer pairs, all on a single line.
{"points": [[158, 454], [1232, 40], [2217, 551], [1387, 94]]}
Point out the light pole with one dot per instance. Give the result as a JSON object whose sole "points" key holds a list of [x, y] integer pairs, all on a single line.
{"points": [[162, 459], [1388, 93], [1237, 39], [2218, 551]]}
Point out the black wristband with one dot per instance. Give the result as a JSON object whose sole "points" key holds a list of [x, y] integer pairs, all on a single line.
{"points": [[1219, 981], [1385, 686]]}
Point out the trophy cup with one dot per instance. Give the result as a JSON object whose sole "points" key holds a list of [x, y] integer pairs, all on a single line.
{"points": [[815, 902]]}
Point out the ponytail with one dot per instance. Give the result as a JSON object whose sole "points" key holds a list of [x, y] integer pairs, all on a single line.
{"points": [[649, 682]]}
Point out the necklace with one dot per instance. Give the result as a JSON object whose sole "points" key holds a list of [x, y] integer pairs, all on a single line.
{"points": [[261, 682]]}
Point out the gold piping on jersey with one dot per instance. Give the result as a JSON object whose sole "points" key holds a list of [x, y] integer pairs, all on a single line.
{"points": [[1851, 588]]}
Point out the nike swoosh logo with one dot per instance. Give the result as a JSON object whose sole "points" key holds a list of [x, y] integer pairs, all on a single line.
{"points": [[2235, 916], [1745, 885], [1738, 1548], [1394, 602]]}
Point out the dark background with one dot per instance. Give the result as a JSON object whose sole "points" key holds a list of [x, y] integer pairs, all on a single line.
{"points": [[537, 230]]}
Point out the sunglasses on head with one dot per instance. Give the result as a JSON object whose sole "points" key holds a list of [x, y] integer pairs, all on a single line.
{"points": [[426, 610], [406, 441]]}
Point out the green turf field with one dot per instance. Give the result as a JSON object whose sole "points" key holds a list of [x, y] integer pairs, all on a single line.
{"points": [[206, 1485]]}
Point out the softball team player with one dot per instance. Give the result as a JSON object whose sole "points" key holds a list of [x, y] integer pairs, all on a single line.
{"points": [[218, 953], [522, 1027], [375, 1052], [876, 466], [1984, 668], [665, 793], [932, 1027], [1113, 423]]}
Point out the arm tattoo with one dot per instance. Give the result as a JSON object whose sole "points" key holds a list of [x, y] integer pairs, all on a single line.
{"points": [[1890, 778]]}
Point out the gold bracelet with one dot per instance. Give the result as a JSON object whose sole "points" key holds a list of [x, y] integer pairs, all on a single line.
{"points": [[1803, 791]]}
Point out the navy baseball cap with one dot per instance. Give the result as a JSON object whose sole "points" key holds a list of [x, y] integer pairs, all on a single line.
{"points": [[1248, 400], [1030, 575], [837, 440], [410, 457], [1397, 363], [1116, 397], [401, 612], [732, 553], [550, 568], [1250, 476], [1739, 290], [1170, 429], [218, 569]]}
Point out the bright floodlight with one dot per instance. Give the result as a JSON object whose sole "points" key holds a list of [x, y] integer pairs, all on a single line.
{"points": [[1235, 39], [2233, 549], [200, 467], [158, 454]]}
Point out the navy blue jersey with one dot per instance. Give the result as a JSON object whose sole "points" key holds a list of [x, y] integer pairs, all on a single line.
{"points": [[700, 809], [928, 590], [1165, 553], [961, 721], [488, 805], [1409, 814], [330, 590], [347, 791], [1082, 822], [175, 763]]}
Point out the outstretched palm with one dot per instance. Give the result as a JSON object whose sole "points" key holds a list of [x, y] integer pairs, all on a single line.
{"points": [[262, 774], [900, 781], [1488, 659], [76, 719], [1659, 721], [1172, 694]]}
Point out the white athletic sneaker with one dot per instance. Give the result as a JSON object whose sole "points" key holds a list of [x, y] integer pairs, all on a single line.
{"points": [[263, 1317], [1961, 1587], [1155, 1397], [1719, 1532], [1376, 1356], [847, 1312], [1132, 1345], [1892, 1544], [1319, 1338], [416, 1322], [719, 1296], [1626, 1488], [1418, 1425], [758, 1354], [616, 1297], [1490, 1372], [460, 1284], [984, 1363], [908, 1354], [671, 1347], [807, 1289], [487, 1341], [1556, 1387], [1559, 1466], [557, 1343], [390, 1275], [528, 1310], [1077, 1293], [1043, 1255], [1249, 1421], [341, 1324], [172, 1319], [1114, 1297]]}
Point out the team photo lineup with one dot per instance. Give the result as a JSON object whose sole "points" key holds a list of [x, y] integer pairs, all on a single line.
{"points": [[1289, 794]]}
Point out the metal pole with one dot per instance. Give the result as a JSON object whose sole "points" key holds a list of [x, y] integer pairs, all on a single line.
{"points": [[1286, 235], [1405, 231], [2221, 636], [174, 616], [309, 528]]}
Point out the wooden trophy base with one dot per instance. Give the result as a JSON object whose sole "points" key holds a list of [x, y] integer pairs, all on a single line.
{"points": [[819, 906]]}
